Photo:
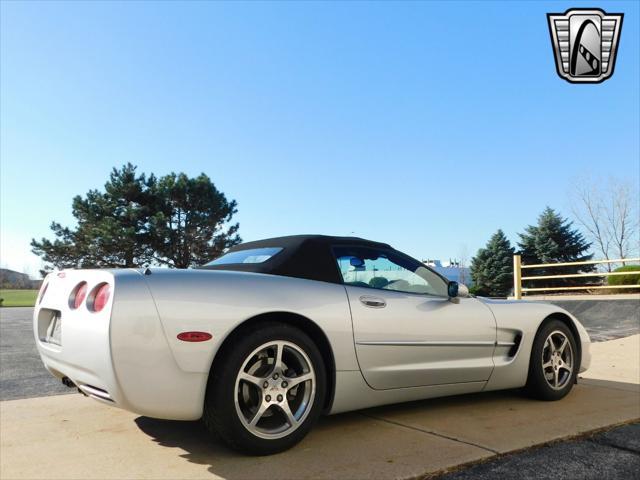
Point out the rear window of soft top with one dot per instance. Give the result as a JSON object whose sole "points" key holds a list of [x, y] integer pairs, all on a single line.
{"points": [[251, 255]]}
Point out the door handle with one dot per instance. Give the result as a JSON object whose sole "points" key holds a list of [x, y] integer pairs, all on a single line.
{"points": [[373, 302]]}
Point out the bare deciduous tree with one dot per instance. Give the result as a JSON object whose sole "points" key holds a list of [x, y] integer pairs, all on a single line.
{"points": [[463, 256], [623, 218], [608, 211]]}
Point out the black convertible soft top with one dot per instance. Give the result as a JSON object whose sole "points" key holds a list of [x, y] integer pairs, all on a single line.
{"points": [[302, 256]]}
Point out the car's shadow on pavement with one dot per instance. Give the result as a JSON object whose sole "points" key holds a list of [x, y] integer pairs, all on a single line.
{"points": [[356, 444], [193, 437], [410, 439], [306, 459]]}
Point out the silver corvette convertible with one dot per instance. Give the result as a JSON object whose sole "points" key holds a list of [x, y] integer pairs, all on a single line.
{"points": [[266, 338]]}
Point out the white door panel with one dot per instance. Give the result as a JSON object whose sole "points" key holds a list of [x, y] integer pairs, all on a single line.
{"points": [[407, 339]]}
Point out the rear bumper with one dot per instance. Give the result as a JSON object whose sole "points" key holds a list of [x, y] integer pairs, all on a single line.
{"points": [[84, 355], [119, 356], [89, 383]]}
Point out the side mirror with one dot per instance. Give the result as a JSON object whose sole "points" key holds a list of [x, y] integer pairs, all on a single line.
{"points": [[456, 291], [452, 289], [356, 262]]}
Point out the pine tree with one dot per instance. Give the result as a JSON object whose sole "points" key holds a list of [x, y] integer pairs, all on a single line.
{"points": [[188, 221], [137, 220], [112, 226], [492, 267], [555, 240]]}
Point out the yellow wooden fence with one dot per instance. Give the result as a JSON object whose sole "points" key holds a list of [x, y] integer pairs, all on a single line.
{"points": [[518, 290]]}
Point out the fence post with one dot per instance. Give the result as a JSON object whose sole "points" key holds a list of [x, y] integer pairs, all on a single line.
{"points": [[517, 277]]}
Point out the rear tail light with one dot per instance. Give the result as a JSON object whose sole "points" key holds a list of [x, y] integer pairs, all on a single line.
{"points": [[99, 297], [78, 295]]}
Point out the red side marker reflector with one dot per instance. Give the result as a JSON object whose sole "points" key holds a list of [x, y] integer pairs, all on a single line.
{"points": [[194, 336]]}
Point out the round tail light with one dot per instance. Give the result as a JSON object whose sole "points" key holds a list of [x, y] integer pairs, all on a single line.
{"points": [[78, 295], [99, 297]]}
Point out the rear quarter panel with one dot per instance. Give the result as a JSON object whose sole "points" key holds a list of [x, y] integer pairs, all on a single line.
{"points": [[218, 301], [150, 379]]}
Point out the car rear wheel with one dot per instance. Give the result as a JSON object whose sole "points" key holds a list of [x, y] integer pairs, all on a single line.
{"points": [[554, 362], [266, 390]]}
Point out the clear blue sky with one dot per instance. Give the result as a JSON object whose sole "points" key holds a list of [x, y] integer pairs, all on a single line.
{"points": [[426, 125]]}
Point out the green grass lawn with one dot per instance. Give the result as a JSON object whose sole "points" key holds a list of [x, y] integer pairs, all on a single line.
{"points": [[18, 298]]}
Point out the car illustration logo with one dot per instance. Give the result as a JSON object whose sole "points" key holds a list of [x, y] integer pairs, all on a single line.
{"points": [[585, 43]]}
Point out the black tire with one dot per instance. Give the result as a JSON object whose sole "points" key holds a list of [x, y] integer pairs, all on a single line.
{"points": [[537, 384], [220, 414]]}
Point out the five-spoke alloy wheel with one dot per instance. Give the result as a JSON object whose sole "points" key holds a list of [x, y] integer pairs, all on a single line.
{"points": [[553, 366], [268, 391], [557, 360], [275, 389]]}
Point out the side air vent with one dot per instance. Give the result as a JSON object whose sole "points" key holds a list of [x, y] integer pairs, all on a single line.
{"points": [[516, 345]]}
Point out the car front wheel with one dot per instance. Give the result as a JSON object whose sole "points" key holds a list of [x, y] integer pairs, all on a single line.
{"points": [[266, 392], [554, 362]]}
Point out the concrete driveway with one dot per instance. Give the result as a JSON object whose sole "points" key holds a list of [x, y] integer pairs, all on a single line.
{"points": [[74, 437]]}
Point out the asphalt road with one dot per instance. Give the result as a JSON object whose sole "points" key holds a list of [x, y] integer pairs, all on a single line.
{"points": [[604, 319], [609, 455], [22, 374]]}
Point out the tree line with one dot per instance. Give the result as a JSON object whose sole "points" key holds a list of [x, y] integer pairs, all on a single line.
{"points": [[609, 218], [140, 220], [553, 239]]}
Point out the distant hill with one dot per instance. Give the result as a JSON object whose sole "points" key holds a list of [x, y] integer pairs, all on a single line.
{"points": [[13, 279]]}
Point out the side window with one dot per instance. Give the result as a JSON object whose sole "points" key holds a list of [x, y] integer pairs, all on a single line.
{"points": [[386, 270]]}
